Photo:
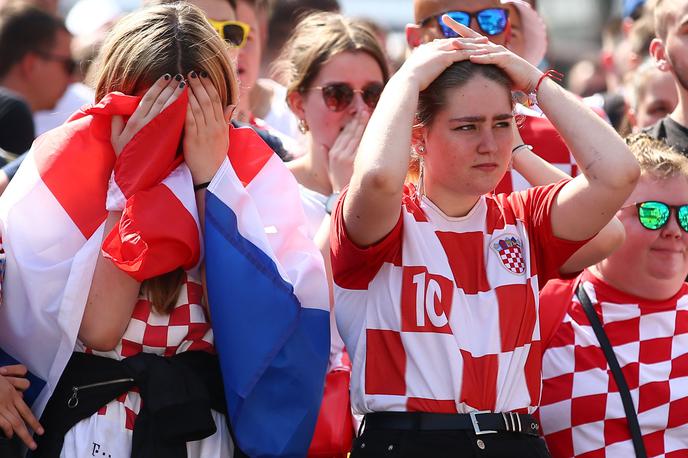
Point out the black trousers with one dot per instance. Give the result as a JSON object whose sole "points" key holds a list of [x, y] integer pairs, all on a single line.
{"points": [[439, 444]]}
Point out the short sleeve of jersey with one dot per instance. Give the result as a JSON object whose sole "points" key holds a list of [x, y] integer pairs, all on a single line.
{"points": [[534, 206], [555, 300], [354, 267]]}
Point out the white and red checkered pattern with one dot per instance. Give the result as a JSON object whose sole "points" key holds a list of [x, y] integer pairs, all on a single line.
{"points": [[581, 411], [433, 320], [538, 131], [185, 328]]}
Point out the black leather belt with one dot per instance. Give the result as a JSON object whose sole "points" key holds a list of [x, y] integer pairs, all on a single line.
{"points": [[478, 422]]}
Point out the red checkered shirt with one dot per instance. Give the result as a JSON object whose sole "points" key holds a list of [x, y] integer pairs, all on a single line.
{"points": [[441, 315], [581, 411], [185, 328]]}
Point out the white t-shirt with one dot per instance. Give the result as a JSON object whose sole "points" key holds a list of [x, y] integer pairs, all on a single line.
{"points": [[314, 207]]}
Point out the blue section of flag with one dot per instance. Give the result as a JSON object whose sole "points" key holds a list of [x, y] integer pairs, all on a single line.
{"points": [[273, 353], [36, 384]]}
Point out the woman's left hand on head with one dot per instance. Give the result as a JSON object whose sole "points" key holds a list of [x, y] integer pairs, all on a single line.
{"points": [[206, 130], [524, 75]]}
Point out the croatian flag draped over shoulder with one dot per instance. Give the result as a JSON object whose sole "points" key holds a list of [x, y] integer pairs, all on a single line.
{"points": [[52, 220], [268, 298]]}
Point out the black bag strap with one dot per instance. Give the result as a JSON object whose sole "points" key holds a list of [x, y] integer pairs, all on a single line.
{"points": [[606, 346]]}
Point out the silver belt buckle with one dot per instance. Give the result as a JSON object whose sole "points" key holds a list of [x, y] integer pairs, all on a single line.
{"points": [[476, 426]]}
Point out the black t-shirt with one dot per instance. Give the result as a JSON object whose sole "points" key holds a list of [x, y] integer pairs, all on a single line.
{"points": [[16, 123], [673, 133]]}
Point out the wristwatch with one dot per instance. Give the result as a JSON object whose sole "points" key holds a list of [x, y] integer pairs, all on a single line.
{"points": [[331, 202]]}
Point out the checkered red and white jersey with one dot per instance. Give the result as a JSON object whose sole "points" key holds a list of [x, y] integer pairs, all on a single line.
{"points": [[538, 131], [581, 411], [441, 315], [185, 328]]}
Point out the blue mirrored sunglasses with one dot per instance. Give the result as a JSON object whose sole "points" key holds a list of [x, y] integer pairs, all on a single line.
{"points": [[491, 21]]}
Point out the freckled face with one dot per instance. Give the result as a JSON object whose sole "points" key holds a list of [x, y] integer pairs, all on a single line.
{"points": [[468, 145]]}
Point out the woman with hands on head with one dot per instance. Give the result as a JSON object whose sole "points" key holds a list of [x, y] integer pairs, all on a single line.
{"points": [[436, 282]]}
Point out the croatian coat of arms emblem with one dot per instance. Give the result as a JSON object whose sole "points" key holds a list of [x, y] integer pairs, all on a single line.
{"points": [[510, 252]]}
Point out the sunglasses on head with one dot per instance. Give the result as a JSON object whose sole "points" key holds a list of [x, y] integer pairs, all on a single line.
{"points": [[491, 21], [338, 96], [68, 63], [233, 32], [655, 215]]}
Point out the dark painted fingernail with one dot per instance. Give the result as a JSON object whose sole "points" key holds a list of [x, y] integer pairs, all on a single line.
{"points": [[181, 85], [193, 74], [178, 77], [204, 74], [167, 76]]}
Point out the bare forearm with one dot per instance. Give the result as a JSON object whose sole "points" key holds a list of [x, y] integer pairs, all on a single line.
{"points": [[371, 207], [386, 144], [601, 154], [536, 170], [110, 303]]}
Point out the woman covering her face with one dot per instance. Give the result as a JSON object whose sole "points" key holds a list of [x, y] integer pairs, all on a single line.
{"points": [[437, 281], [108, 216]]}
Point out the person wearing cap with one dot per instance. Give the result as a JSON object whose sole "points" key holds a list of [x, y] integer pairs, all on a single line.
{"points": [[670, 52], [496, 23]]}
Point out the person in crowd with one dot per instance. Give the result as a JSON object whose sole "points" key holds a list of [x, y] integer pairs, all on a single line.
{"points": [[436, 282], [268, 95], [15, 415], [585, 78], [250, 53], [222, 14], [335, 70], [135, 357], [643, 312], [253, 13], [494, 23], [528, 33], [669, 51], [35, 69], [284, 15], [650, 96]]}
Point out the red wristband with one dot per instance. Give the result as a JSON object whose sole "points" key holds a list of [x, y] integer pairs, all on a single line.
{"points": [[553, 74]]}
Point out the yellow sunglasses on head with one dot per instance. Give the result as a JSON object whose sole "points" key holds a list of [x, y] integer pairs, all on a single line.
{"points": [[233, 32]]}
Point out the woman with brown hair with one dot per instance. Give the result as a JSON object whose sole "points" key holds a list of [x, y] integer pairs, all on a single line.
{"points": [[436, 282], [121, 303], [335, 72]]}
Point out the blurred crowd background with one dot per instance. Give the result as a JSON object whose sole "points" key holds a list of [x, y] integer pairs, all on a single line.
{"points": [[599, 44]]}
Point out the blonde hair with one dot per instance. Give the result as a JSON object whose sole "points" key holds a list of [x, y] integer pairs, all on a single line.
{"points": [[143, 46], [171, 38], [316, 39], [656, 158]]}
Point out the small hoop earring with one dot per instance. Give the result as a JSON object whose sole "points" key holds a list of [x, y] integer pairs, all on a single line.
{"points": [[421, 149], [303, 126]]}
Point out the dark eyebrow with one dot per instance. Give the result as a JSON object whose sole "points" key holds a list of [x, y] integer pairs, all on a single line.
{"points": [[500, 117]]}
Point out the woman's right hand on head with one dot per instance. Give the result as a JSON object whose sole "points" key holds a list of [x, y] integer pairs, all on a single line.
{"points": [[342, 153], [523, 74], [15, 415], [429, 60], [161, 94]]}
